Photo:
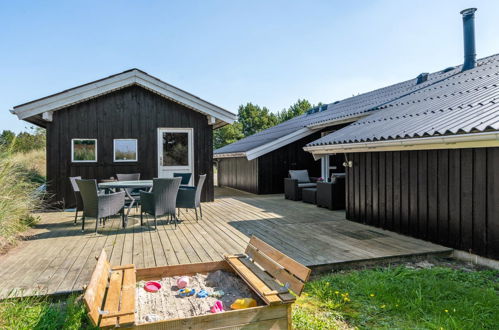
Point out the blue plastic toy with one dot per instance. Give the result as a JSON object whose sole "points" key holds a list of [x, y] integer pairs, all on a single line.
{"points": [[186, 292], [202, 294]]}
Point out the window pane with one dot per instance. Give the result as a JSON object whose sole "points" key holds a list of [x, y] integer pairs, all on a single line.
{"points": [[84, 150], [125, 150], [175, 149]]}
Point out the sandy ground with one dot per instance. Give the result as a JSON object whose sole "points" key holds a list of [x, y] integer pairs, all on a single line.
{"points": [[167, 304]]}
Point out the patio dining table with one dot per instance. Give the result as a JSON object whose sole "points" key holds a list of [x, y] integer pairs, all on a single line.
{"points": [[129, 185]]}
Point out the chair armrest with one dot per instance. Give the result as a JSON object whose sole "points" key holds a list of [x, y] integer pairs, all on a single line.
{"points": [[110, 198]]}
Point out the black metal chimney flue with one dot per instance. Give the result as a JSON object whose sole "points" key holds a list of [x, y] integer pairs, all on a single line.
{"points": [[469, 38]]}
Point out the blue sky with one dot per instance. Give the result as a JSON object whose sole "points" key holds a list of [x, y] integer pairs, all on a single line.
{"points": [[231, 52]]}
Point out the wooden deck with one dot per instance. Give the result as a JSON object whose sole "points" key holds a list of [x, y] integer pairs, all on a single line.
{"points": [[60, 258]]}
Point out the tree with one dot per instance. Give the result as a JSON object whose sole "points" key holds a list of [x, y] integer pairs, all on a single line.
{"points": [[255, 119], [227, 134], [297, 109], [24, 141], [6, 139]]}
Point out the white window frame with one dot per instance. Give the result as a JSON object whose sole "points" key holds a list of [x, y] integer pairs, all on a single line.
{"points": [[190, 141], [126, 160], [84, 161]]}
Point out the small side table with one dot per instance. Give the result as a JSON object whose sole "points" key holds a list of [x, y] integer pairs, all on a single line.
{"points": [[308, 195], [331, 195]]}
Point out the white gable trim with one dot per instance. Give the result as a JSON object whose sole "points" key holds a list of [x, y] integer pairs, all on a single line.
{"points": [[271, 146], [290, 138], [119, 81], [280, 142]]}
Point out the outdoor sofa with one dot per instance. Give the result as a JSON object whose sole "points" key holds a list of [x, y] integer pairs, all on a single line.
{"points": [[298, 179]]}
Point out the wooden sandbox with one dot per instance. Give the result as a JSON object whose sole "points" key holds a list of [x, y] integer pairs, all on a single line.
{"points": [[111, 294]]}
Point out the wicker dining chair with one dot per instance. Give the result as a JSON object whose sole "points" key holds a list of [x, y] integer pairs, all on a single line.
{"points": [[100, 206], [130, 177], [186, 177], [133, 192], [161, 200], [190, 197], [77, 194]]}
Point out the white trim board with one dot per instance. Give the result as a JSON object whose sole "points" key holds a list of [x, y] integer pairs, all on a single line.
{"points": [[460, 141], [119, 81], [271, 146]]}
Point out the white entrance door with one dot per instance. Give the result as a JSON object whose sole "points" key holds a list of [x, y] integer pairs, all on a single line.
{"points": [[175, 152]]}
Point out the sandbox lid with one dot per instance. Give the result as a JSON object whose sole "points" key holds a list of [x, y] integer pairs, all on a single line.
{"points": [[118, 308], [269, 272]]}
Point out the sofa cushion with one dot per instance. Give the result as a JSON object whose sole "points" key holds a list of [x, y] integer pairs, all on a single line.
{"points": [[307, 185], [300, 175]]}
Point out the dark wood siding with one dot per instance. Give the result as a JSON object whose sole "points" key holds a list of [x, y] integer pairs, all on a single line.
{"points": [[265, 175], [134, 113], [449, 197], [274, 166], [238, 173]]}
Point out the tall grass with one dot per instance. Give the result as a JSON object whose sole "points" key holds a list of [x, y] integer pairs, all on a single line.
{"points": [[32, 163], [20, 175]]}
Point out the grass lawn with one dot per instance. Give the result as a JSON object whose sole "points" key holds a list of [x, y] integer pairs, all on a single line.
{"points": [[448, 295], [401, 297], [41, 313]]}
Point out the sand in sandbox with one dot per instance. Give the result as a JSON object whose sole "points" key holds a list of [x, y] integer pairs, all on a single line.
{"points": [[167, 304]]}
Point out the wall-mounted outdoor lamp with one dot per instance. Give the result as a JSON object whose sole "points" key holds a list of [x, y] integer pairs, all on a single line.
{"points": [[347, 163]]}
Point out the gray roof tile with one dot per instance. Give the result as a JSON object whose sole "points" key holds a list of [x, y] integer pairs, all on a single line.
{"points": [[465, 102], [354, 106]]}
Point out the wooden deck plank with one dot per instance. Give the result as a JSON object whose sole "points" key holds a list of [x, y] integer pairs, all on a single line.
{"points": [[128, 238], [85, 272], [116, 245], [24, 251], [187, 246], [148, 247], [180, 253], [168, 250], [157, 248], [192, 232], [57, 268], [138, 245], [61, 258], [33, 275]]}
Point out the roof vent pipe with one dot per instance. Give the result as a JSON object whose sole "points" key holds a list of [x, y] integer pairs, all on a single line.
{"points": [[469, 38], [422, 78]]}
